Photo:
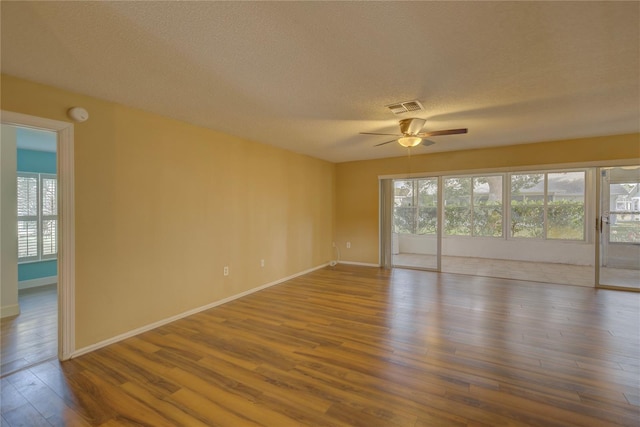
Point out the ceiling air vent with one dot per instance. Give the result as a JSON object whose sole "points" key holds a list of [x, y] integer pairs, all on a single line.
{"points": [[405, 107]]}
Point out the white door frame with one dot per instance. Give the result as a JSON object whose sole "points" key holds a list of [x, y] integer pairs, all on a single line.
{"points": [[603, 217], [598, 224], [66, 217], [386, 208]]}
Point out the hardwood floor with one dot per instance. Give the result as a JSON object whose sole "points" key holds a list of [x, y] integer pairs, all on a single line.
{"points": [[360, 346], [32, 336]]}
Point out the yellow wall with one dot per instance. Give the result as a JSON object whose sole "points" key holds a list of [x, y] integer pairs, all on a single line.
{"points": [[357, 187], [161, 206]]}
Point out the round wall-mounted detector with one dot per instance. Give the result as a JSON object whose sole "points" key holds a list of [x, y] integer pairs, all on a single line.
{"points": [[78, 114]]}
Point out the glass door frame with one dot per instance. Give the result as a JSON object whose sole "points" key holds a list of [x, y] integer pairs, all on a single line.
{"points": [[601, 223], [598, 231], [387, 217]]}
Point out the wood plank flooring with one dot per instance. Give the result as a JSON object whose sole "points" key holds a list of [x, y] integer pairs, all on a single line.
{"points": [[360, 346], [32, 336]]}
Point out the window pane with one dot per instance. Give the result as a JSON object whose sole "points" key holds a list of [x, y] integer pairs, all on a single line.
{"points": [[27, 196], [527, 219], [49, 198], [565, 221], [404, 209], [428, 192], [487, 221], [487, 206], [27, 239], [527, 186], [565, 205], [404, 219], [624, 217], [427, 221], [623, 230], [457, 206], [49, 237], [527, 205]]}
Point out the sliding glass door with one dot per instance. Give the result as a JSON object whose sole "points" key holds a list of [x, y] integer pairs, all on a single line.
{"points": [[415, 226], [619, 228], [541, 228]]}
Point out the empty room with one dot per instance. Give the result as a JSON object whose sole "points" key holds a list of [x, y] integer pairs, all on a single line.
{"points": [[320, 213]]}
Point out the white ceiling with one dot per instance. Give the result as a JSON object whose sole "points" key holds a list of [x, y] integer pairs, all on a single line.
{"points": [[309, 76]]}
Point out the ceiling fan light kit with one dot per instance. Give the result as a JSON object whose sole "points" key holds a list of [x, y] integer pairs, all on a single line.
{"points": [[409, 141]]}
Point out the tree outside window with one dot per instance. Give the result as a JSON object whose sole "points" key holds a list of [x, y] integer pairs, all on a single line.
{"points": [[415, 208], [473, 206], [548, 206]]}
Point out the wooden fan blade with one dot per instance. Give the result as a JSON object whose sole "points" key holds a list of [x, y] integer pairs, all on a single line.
{"points": [[443, 132], [383, 143], [372, 133]]}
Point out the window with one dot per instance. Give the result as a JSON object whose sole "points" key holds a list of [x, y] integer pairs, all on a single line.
{"points": [[548, 205], [624, 208], [487, 206], [473, 206], [415, 204], [457, 206], [541, 205], [37, 217]]}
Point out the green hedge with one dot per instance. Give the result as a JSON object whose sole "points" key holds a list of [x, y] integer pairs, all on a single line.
{"points": [[565, 220]]}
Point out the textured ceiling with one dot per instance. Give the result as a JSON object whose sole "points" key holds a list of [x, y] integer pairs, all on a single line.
{"points": [[309, 76]]}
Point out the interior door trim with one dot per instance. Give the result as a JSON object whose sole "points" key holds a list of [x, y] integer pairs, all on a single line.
{"points": [[66, 216]]}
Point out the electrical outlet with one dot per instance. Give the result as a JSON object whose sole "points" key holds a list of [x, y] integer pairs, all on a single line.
{"points": [[261, 263], [348, 245], [225, 271]]}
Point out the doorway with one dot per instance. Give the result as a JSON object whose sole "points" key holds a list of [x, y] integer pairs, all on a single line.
{"points": [[66, 223], [31, 336], [549, 237], [416, 223], [619, 228]]}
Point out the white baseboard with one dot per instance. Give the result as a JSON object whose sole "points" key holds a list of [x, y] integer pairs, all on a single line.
{"points": [[159, 323], [34, 283], [9, 310], [364, 264]]}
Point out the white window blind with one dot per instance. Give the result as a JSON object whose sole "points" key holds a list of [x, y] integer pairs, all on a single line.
{"points": [[37, 216], [49, 216]]}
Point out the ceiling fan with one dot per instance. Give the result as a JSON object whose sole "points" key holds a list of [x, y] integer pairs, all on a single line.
{"points": [[411, 135]]}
